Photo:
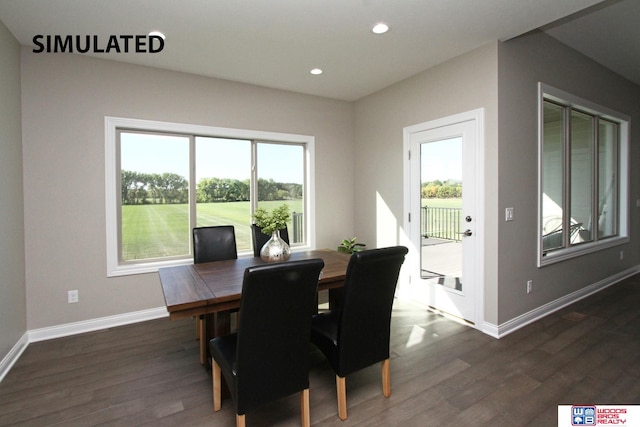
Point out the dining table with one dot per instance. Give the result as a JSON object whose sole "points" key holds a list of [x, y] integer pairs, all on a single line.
{"points": [[212, 291]]}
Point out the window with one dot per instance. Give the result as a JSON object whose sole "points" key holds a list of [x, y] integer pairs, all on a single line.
{"points": [[583, 176], [163, 179]]}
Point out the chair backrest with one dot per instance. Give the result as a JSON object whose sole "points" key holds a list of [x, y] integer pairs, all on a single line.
{"points": [[215, 243], [259, 238], [364, 324], [274, 328]]}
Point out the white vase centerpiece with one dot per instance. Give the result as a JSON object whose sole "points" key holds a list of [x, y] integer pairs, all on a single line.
{"points": [[275, 249]]}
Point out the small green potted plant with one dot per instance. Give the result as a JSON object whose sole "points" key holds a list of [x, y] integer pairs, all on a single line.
{"points": [[275, 249], [350, 246]]}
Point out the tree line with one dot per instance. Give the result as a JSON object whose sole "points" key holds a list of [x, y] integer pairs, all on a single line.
{"points": [[169, 188], [437, 189]]}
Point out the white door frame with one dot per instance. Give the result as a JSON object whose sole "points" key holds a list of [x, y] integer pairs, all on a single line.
{"points": [[412, 227]]}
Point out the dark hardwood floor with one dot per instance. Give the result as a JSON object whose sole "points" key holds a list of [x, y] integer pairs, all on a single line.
{"points": [[442, 373]]}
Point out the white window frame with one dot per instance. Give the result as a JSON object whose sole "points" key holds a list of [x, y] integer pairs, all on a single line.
{"points": [[115, 266], [550, 93]]}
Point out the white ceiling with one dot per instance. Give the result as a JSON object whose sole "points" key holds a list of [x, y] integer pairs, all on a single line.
{"points": [[275, 43]]}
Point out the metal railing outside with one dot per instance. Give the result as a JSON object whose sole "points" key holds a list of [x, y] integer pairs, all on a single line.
{"points": [[297, 232], [440, 223]]}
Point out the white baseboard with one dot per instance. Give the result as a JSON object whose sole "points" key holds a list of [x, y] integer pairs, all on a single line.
{"points": [[91, 325], [490, 329], [499, 331], [13, 355]]}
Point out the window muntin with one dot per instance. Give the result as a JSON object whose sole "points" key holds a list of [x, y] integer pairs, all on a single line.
{"points": [[582, 157], [137, 202]]}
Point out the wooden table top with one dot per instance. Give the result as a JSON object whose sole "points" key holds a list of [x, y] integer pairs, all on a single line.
{"points": [[214, 286]]}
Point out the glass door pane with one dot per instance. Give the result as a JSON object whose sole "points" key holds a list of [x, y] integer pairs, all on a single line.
{"points": [[441, 212]]}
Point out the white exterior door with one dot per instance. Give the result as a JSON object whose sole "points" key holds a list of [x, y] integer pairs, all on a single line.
{"points": [[444, 224]]}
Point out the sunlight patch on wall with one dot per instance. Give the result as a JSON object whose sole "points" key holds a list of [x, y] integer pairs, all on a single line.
{"points": [[386, 224]]}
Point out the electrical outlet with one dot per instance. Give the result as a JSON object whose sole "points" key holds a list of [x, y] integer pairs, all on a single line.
{"points": [[529, 286], [72, 297], [621, 254]]}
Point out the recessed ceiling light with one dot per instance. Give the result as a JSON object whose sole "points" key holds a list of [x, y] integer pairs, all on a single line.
{"points": [[316, 71], [380, 28], [158, 34]]}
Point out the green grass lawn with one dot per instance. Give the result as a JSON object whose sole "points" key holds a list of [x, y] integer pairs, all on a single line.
{"points": [[442, 203], [154, 231]]}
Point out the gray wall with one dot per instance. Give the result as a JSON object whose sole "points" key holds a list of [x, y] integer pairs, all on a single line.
{"points": [[13, 317], [65, 99], [524, 62]]}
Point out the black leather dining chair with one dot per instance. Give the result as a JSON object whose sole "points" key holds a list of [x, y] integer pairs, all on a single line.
{"points": [[268, 357], [356, 335], [212, 243], [259, 238]]}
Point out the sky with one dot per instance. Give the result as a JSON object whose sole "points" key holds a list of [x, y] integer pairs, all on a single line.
{"points": [[228, 158], [441, 160], [216, 157]]}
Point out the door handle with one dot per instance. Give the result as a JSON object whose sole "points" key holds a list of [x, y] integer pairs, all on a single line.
{"points": [[466, 232]]}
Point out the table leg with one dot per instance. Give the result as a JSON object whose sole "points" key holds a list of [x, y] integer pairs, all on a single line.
{"points": [[204, 343], [211, 326], [221, 323]]}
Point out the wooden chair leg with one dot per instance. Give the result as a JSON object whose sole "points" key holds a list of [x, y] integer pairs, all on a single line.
{"points": [[304, 408], [341, 387], [217, 389], [386, 378], [202, 330], [240, 421]]}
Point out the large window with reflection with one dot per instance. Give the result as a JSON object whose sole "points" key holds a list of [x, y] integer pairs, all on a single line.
{"points": [[163, 179], [583, 176]]}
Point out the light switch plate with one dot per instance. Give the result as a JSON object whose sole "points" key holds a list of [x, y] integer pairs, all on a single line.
{"points": [[508, 214]]}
